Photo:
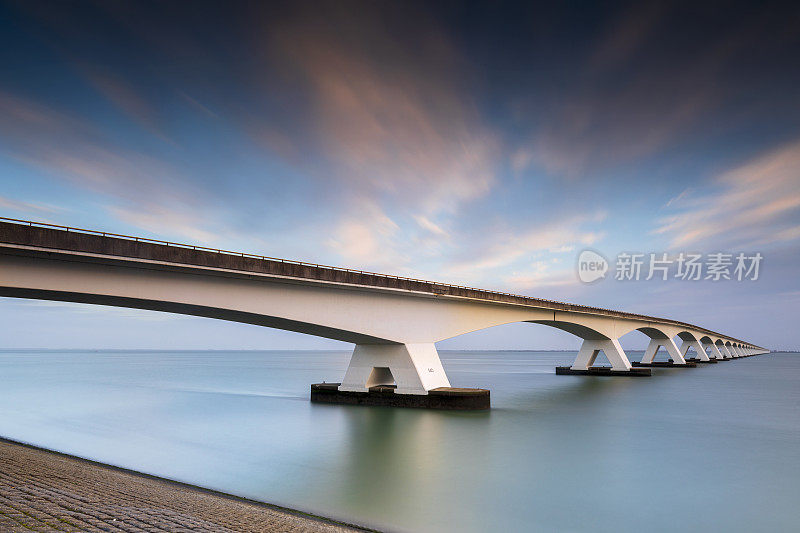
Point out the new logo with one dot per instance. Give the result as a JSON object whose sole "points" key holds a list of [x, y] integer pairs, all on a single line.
{"points": [[591, 266]]}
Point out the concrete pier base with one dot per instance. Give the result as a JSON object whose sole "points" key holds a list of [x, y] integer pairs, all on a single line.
{"points": [[669, 364], [601, 371], [696, 360], [450, 398]]}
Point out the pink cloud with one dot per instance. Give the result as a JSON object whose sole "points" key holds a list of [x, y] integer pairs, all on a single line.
{"points": [[392, 122], [754, 204]]}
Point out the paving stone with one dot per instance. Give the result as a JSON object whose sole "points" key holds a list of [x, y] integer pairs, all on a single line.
{"points": [[48, 492]]}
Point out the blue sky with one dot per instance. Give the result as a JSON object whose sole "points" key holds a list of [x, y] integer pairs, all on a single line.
{"points": [[475, 144]]}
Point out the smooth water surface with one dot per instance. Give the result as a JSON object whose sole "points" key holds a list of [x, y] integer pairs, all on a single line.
{"points": [[711, 448]]}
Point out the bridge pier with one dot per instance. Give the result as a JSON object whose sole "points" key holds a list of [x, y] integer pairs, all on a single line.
{"points": [[398, 375], [412, 368], [702, 356], [668, 344], [724, 355], [657, 340], [716, 355], [590, 349]]}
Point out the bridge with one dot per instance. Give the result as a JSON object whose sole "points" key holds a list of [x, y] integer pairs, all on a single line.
{"points": [[393, 321]]}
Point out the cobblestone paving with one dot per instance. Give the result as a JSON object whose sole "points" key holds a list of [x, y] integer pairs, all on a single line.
{"points": [[43, 491]]}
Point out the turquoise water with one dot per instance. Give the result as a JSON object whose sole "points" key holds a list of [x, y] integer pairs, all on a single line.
{"points": [[711, 448]]}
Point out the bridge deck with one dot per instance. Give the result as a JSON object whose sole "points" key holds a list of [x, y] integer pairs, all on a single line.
{"points": [[62, 238]]}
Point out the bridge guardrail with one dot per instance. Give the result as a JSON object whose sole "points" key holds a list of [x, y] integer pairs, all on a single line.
{"points": [[257, 256]]}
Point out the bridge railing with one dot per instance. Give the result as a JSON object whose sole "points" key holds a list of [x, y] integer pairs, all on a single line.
{"points": [[254, 256]]}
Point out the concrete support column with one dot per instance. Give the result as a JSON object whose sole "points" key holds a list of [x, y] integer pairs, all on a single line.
{"points": [[668, 345], [413, 368], [592, 347], [715, 353], [701, 353], [725, 350]]}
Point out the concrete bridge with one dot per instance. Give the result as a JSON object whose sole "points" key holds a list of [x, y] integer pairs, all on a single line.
{"points": [[394, 322]]}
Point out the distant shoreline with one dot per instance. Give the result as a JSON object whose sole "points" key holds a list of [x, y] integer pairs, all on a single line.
{"points": [[146, 496]]}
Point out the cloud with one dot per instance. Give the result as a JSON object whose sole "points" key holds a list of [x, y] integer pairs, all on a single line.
{"points": [[28, 207], [425, 223], [595, 131], [390, 116], [674, 200], [654, 80], [499, 250], [562, 249], [197, 105], [140, 189], [754, 204], [626, 35], [539, 275], [367, 238], [160, 219], [71, 147], [384, 123], [123, 95]]}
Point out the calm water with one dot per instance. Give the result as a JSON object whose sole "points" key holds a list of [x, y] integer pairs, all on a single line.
{"points": [[716, 447]]}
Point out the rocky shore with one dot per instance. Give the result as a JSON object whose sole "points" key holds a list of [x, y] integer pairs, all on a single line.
{"points": [[47, 491]]}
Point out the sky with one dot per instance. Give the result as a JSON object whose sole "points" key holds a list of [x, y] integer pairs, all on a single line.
{"points": [[484, 144]]}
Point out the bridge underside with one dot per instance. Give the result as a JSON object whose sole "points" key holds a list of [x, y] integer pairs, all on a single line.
{"points": [[230, 315]]}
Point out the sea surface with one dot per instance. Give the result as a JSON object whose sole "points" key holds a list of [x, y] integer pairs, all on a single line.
{"points": [[712, 448]]}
